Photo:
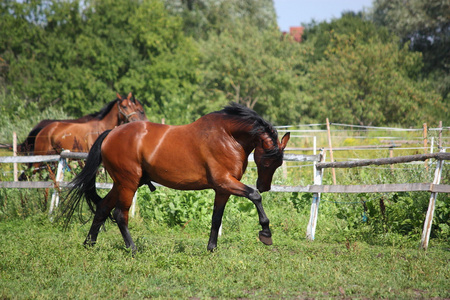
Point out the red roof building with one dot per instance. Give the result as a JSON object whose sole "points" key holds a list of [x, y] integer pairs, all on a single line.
{"points": [[296, 33]]}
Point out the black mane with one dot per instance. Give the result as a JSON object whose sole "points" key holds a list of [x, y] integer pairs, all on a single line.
{"points": [[104, 111], [259, 125]]}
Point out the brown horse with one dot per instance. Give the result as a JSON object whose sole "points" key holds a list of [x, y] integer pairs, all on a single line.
{"points": [[210, 153], [27, 147], [79, 137]]}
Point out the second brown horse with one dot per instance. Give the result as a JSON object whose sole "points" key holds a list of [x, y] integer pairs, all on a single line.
{"points": [[211, 153], [79, 137], [27, 147]]}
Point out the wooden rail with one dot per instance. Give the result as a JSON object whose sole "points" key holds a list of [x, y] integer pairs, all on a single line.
{"points": [[384, 161], [365, 188]]}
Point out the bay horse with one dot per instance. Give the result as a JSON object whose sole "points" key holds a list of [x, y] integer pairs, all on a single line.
{"points": [[79, 137], [27, 147], [211, 153]]}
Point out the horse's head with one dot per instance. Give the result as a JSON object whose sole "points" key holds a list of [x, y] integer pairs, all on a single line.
{"points": [[130, 109], [268, 157], [140, 110]]}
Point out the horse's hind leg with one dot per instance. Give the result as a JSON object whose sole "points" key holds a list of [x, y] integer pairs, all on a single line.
{"points": [[121, 216], [219, 206], [102, 212]]}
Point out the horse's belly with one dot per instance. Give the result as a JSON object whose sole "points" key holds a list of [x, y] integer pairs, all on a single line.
{"points": [[183, 185], [178, 178]]}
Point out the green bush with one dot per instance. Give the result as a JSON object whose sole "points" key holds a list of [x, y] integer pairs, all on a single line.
{"points": [[20, 116], [175, 208], [193, 208]]}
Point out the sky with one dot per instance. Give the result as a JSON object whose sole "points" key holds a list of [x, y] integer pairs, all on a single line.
{"points": [[295, 12]]}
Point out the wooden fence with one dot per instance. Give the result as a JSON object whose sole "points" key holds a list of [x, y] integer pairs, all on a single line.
{"points": [[316, 189]]}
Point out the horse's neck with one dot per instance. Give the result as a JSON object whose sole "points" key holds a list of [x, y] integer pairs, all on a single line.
{"points": [[110, 121], [245, 139]]}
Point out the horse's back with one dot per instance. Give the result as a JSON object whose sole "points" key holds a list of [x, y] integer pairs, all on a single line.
{"points": [[58, 136], [43, 142], [135, 140]]}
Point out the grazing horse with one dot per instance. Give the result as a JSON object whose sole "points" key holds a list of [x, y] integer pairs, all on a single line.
{"points": [[79, 137], [27, 147], [211, 153]]}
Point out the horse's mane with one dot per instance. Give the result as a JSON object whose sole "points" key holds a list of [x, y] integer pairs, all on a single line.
{"points": [[104, 111], [247, 116]]}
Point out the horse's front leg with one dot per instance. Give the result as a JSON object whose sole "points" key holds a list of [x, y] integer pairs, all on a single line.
{"points": [[235, 187], [265, 236], [219, 206]]}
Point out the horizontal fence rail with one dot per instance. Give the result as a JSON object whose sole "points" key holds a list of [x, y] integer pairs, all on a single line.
{"points": [[384, 161], [365, 188]]}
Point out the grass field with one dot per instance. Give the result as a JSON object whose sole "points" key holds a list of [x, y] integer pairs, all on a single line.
{"points": [[40, 261]]}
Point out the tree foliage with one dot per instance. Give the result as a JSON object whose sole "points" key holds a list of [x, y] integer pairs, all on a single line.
{"points": [[257, 69], [204, 17], [79, 57], [321, 34], [183, 59], [426, 25], [371, 83]]}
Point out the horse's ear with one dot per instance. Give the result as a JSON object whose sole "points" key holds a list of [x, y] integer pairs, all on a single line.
{"points": [[129, 96], [285, 140], [118, 96]]}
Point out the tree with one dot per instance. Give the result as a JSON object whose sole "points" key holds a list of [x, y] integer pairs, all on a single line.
{"points": [[203, 17], [257, 68], [77, 57], [371, 83], [426, 25], [320, 35]]}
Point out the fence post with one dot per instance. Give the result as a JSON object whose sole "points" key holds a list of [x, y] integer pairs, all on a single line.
{"points": [[59, 178], [431, 206], [15, 154], [314, 152], [333, 171], [318, 176], [425, 142]]}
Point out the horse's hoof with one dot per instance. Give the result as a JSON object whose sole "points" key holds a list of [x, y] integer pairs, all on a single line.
{"points": [[88, 244], [266, 240], [212, 248]]}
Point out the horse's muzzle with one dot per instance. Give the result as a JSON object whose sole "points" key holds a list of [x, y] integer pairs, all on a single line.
{"points": [[262, 188]]}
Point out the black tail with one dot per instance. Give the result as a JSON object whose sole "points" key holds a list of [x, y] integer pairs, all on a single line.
{"points": [[27, 147], [83, 185]]}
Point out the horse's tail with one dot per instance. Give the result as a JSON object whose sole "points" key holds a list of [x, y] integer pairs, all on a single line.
{"points": [[27, 147], [83, 185]]}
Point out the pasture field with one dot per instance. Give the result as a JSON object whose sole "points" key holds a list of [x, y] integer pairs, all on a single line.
{"points": [[39, 260], [366, 245]]}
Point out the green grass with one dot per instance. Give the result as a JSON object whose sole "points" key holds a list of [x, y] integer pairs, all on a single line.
{"points": [[39, 260], [350, 258]]}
